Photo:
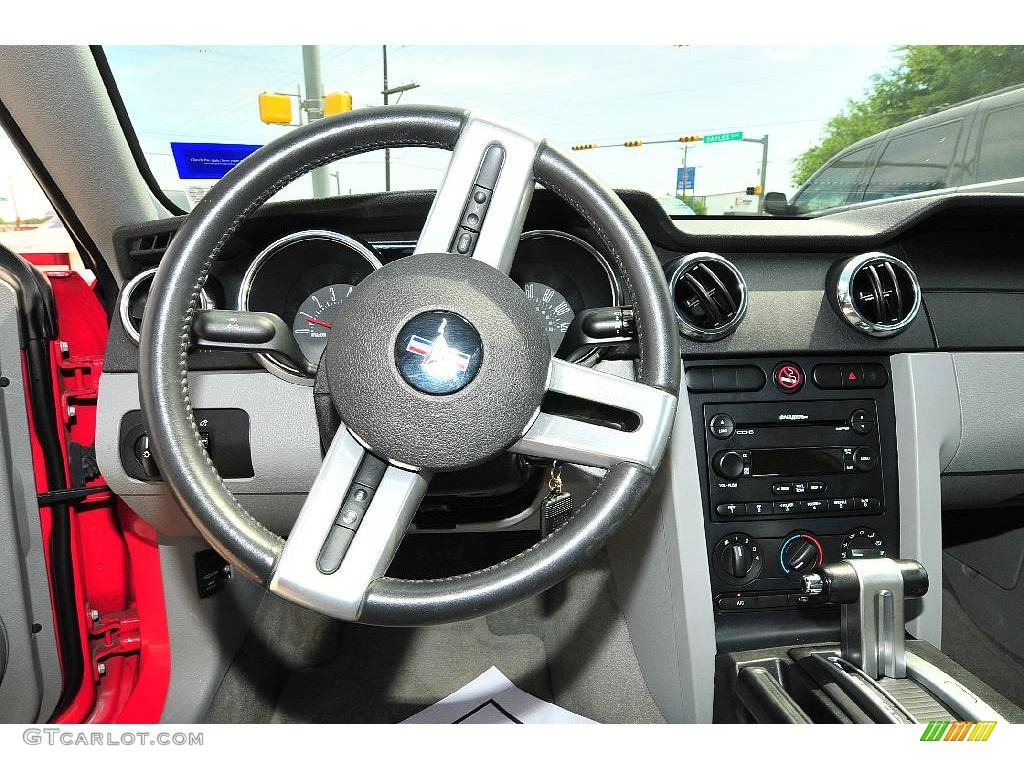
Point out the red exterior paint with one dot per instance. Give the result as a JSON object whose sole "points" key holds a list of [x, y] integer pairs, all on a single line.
{"points": [[115, 556]]}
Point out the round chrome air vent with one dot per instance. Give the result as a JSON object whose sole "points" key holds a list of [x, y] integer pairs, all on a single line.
{"points": [[710, 296], [877, 294], [132, 305]]}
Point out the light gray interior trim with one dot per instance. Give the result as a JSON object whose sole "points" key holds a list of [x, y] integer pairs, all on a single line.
{"points": [[927, 435], [76, 134], [661, 575], [31, 682], [992, 408], [204, 634], [283, 437]]}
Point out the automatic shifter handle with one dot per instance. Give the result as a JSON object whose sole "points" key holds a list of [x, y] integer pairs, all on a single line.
{"points": [[871, 592]]}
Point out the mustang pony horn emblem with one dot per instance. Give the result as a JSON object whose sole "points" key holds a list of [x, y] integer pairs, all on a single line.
{"points": [[439, 359]]}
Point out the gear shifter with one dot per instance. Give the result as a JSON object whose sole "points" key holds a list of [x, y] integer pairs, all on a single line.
{"points": [[871, 592]]}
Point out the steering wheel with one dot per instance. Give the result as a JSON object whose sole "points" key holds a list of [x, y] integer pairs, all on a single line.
{"points": [[436, 362]]}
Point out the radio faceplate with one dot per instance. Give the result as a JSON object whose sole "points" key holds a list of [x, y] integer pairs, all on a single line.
{"points": [[793, 459]]}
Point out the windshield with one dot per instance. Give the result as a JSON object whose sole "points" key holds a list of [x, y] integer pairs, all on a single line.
{"points": [[709, 131]]}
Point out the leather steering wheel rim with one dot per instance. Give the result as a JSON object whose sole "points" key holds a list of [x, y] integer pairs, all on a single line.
{"points": [[166, 335]]}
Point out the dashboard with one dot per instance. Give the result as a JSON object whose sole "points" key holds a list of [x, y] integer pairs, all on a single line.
{"points": [[802, 342], [305, 276]]}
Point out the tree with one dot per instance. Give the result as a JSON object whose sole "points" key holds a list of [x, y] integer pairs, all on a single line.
{"points": [[697, 204], [928, 78]]}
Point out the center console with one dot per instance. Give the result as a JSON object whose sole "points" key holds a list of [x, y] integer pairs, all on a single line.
{"points": [[798, 469]]}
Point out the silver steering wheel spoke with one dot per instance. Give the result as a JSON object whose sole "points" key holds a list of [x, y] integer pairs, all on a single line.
{"points": [[642, 418], [482, 202], [348, 529]]}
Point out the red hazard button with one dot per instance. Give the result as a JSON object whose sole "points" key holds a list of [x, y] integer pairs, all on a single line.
{"points": [[788, 377]]}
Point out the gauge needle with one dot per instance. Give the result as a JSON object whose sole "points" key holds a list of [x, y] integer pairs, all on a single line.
{"points": [[318, 321]]}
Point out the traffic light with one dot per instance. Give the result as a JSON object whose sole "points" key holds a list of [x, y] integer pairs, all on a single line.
{"points": [[336, 103], [578, 147], [276, 108], [755, 190], [690, 138], [633, 143]]}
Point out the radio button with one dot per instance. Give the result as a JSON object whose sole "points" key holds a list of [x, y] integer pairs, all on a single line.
{"points": [[732, 464], [722, 426], [860, 422], [816, 487], [813, 505], [840, 505], [785, 507], [865, 502], [782, 489], [731, 510], [865, 458], [760, 508], [800, 487]]}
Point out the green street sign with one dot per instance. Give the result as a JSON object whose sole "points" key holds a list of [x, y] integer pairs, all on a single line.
{"points": [[715, 138]]}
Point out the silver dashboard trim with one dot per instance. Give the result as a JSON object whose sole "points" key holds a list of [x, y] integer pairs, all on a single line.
{"points": [[844, 298], [274, 366], [126, 297]]}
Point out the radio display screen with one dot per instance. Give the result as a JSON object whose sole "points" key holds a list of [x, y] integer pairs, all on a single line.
{"points": [[796, 461]]}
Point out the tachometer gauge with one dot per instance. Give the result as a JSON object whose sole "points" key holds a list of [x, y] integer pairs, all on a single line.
{"points": [[316, 317], [553, 309]]}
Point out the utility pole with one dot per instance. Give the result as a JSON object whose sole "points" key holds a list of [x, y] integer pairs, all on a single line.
{"points": [[313, 106], [763, 141], [387, 93]]}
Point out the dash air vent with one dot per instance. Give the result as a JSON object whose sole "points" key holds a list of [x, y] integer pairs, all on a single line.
{"points": [[149, 248], [710, 296], [877, 294]]}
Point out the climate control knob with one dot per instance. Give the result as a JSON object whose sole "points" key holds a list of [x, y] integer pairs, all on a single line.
{"points": [[737, 558], [728, 464], [800, 553]]}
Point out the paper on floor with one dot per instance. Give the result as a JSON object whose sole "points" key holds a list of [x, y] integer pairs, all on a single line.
{"points": [[492, 699]]}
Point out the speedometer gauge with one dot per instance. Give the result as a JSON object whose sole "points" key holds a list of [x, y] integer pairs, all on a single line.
{"points": [[316, 317], [553, 309]]}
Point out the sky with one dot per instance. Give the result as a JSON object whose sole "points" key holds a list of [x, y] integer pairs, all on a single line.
{"points": [[567, 94]]}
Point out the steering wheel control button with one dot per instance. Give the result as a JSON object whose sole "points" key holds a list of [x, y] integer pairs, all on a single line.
{"points": [[475, 210], [438, 352], [788, 377], [333, 551], [722, 426]]}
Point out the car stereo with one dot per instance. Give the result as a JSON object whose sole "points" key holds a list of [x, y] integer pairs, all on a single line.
{"points": [[783, 459]]}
